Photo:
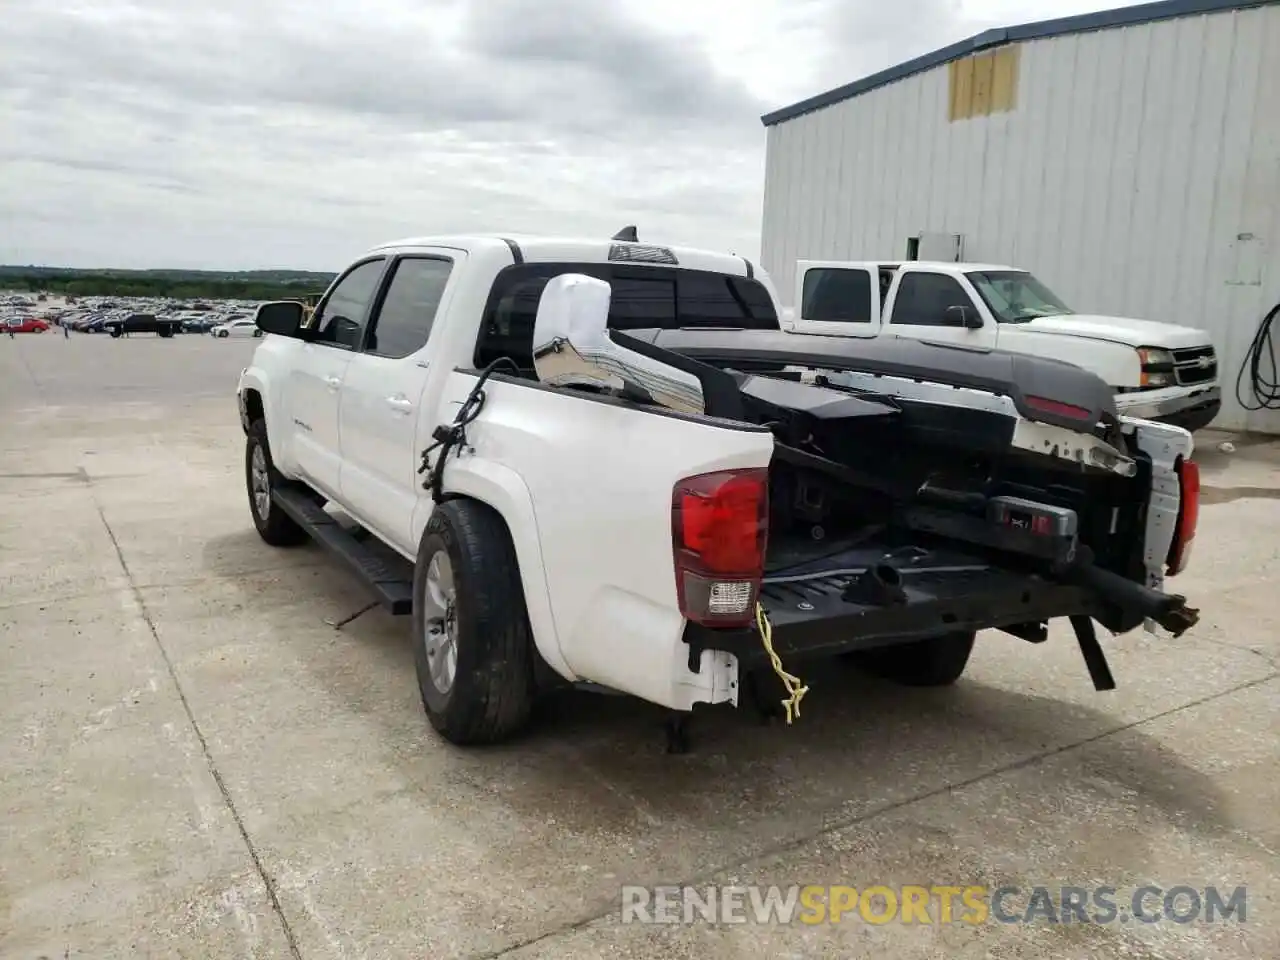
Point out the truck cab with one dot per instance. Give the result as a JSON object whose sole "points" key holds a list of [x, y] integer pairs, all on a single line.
{"points": [[1159, 371]]}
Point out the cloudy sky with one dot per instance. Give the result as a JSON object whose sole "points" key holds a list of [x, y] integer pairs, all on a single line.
{"points": [[277, 133]]}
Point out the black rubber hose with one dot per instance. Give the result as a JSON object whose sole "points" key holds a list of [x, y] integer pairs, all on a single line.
{"points": [[449, 436], [1264, 388]]}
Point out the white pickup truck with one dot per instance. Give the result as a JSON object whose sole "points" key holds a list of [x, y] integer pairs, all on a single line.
{"points": [[592, 462], [1159, 371]]}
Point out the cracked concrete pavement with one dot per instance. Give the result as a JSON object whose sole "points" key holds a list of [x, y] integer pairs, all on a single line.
{"points": [[197, 764]]}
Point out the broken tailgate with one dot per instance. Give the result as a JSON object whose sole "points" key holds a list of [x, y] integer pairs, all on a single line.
{"points": [[858, 605]]}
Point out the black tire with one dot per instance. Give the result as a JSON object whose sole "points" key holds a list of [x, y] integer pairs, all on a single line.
{"points": [[490, 696], [935, 662], [274, 525], [115, 333], [257, 333]]}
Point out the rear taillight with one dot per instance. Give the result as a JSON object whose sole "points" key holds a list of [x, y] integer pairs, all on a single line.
{"points": [[719, 531], [1188, 515], [1058, 408]]}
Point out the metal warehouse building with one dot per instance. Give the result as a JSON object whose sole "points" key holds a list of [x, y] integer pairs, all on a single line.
{"points": [[1130, 158]]}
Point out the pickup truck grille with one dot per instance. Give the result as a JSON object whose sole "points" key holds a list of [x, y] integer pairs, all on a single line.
{"points": [[1195, 365]]}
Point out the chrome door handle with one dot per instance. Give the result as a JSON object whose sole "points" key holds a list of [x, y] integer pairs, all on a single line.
{"points": [[333, 382], [400, 404]]}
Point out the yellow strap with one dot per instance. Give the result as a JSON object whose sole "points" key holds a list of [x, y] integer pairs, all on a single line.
{"points": [[795, 689]]}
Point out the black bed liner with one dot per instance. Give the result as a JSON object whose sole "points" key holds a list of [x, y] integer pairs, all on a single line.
{"points": [[1013, 375]]}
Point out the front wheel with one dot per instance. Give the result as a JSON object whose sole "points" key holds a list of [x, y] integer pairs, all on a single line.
{"points": [[934, 662], [261, 476], [473, 647]]}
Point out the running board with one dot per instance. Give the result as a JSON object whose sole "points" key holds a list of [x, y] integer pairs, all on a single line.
{"points": [[363, 556]]}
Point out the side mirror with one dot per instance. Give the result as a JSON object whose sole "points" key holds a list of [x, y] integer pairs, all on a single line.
{"points": [[281, 317], [966, 317], [572, 347]]}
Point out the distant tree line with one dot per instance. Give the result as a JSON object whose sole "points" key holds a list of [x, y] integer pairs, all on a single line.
{"points": [[172, 284]]}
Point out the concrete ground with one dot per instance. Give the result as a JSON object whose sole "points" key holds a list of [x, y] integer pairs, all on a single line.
{"points": [[197, 763]]}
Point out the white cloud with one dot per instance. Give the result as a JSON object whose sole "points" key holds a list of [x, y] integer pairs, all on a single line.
{"points": [[260, 133]]}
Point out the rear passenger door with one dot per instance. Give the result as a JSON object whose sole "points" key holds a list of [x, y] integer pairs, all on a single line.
{"points": [[836, 299], [385, 419]]}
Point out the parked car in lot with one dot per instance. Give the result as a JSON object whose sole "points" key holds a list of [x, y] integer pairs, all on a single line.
{"points": [[25, 325], [606, 464], [1159, 371], [243, 327]]}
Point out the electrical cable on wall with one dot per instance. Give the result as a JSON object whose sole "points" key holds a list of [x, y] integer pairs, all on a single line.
{"points": [[1264, 388]]}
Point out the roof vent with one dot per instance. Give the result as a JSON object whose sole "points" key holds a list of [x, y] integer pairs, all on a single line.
{"points": [[627, 234]]}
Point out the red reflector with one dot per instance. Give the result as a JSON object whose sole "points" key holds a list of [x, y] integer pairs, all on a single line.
{"points": [[1057, 407], [1188, 515]]}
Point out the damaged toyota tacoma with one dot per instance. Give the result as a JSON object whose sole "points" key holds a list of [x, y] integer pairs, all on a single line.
{"points": [[601, 463]]}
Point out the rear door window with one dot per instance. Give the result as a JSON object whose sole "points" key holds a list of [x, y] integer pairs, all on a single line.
{"points": [[836, 295], [408, 309]]}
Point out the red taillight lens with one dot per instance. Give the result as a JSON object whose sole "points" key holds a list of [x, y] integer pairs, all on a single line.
{"points": [[1058, 408], [719, 531], [1188, 515]]}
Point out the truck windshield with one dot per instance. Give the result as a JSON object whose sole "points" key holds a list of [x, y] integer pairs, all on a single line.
{"points": [[1015, 296]]}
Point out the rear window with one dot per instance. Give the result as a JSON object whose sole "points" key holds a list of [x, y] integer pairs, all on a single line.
{"points": [[643, 298], [836, 295]]}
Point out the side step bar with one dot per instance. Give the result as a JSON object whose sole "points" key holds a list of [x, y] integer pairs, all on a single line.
{"points": [[388, 585]]}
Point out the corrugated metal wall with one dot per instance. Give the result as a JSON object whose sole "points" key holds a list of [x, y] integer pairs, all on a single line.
{"points": [[1135, 169]]}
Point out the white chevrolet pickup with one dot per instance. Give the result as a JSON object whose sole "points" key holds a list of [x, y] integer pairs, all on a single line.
{"points": [[1159, 371], [603, 463]]}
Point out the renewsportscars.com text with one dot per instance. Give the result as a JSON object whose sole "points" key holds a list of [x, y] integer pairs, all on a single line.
{"points": [[935, 904]]}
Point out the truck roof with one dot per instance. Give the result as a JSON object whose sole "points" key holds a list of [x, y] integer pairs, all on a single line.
{"points": [[950, 265], [533, 248]]}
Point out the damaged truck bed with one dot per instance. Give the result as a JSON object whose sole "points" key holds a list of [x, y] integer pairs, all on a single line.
{"points": [[920, 491]]}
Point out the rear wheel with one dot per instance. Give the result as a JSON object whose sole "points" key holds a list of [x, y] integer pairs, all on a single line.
{"points": [[473, 647], [274, 525], [935, 662]]}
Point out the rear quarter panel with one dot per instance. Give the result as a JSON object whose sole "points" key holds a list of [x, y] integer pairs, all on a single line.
{"points": [[587, 488]]}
